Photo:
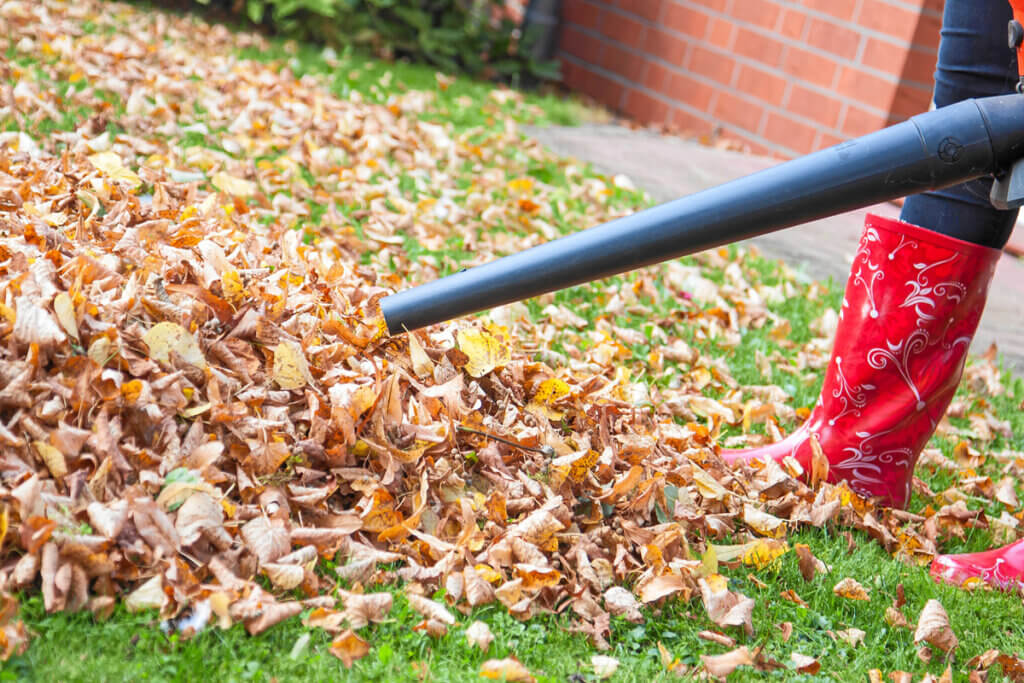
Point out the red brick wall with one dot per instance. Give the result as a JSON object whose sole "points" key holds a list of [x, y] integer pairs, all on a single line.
{"points": [[784, 76]]}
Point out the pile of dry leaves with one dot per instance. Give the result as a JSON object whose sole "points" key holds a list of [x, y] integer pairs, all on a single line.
{"points": [[197, 406]]}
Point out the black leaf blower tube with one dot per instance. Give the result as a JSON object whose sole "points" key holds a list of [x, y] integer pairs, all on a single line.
{"points": [[945, 147]]}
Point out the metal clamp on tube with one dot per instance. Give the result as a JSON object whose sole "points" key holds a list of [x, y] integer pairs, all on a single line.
{"points": [[929, 151]]}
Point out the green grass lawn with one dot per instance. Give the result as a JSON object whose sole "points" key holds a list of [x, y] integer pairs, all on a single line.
{"points": [[71, 647]]}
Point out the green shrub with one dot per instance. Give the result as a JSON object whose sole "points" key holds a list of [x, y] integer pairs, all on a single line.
{"points": [[478, 37]]}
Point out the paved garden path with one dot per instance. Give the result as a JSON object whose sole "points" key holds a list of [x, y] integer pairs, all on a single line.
{"points": [[670, 167]]}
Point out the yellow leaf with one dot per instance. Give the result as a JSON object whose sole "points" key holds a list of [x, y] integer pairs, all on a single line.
{"points": [[506, 670], [763, 552], [111, 166], [290, 368], [232, 286], [485, 351], [165, 337], [237, 187], [421, 363], [551, 390], [53, 459], [65, 312]]}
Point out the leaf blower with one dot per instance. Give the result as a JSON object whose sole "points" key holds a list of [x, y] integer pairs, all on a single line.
{"points": [[930, 151]]}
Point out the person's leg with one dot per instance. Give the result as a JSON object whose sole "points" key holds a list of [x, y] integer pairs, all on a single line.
{"points": [[974, 61], [914, 296]]}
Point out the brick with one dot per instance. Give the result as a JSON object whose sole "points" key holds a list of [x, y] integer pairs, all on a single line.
{"points": [[581, 45], [717, 5], [791, 134], [888, 18], [927, 33], [682, 88], [866, 88], [627, 64], [859, 122], [814, 105], [840, 9], [792, 26], [762, 85], [764, 49], [573, 75], [920, 67], [885, 56], [762, 13], [656, 77], [716, 66], [828, 140], [686, 122], [688, 20], [722, 33], [833, 38], [810, 67], [623, 29], [643, 107], [738, 112], [666, 46], [909, 101], [604, 89], [649, 10], [582, 13]]}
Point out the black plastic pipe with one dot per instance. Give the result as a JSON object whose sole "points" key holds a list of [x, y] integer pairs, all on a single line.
{"points": [[929, 151]]}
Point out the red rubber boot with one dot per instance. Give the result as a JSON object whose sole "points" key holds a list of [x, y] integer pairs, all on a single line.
{"points": [[1001, 568], [911, 306]]}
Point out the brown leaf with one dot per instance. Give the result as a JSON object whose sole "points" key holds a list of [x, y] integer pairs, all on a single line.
{"points": [[809, 564], [620, 602], [479, 634], [348, 647], [361, 609], [716, 637], [852, 636], [805, 664], [430, 609], [722, 665], [267, 539], [271, 613], [851, 590], [895, 618], [933, 628], [724, 607]]}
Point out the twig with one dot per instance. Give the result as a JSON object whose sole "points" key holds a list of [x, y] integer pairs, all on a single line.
{"points": [[543, 450]]}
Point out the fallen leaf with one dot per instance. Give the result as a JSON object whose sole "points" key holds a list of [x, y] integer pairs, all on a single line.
{"points": [[604, 666], [165, 338], [290, 369], [479, 634], [236, 187], [485, 350], [852, 636], [933, 628], [722, 665], [348, 647], [430, 609], [851, 590], [508, 669], [805, 664], [110, 164]]}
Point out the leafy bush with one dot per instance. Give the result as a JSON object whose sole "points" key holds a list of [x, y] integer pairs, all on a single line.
{"points": [[479, 37]]}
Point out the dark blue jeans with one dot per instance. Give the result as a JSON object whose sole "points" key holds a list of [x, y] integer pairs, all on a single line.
{"points": [[974, 61]]}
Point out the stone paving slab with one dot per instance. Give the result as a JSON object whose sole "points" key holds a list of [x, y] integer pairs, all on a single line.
{"points": [[671, 167]]}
